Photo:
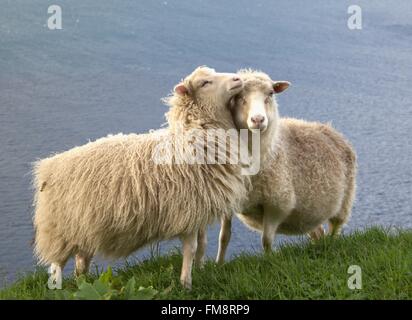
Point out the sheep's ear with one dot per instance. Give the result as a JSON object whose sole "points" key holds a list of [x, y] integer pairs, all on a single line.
{"points": [[181, 89], [280, 86]]}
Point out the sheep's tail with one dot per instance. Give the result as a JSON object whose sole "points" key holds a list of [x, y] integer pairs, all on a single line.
{"points": [[49, 245], [39, 185], [40, 176]]}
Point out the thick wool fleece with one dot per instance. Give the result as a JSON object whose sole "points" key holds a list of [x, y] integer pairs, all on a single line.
{"points": [[109, 197]]}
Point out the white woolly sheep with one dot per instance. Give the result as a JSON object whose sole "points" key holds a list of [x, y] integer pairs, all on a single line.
{"points": [[109, 197], [308, 169]]}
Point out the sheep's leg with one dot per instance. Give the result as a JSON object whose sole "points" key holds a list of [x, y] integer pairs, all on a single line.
{"points": [[317, 234], [337, 222], [82, 262], [224, 238], [189, 250], [335, 227], [272, 218], [269, 231], [56, 275], [55, 278], [201, 247]]}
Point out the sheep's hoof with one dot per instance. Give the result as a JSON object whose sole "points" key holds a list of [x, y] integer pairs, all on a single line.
{"points": [[267, 251], [200, 264], [187, 284]]}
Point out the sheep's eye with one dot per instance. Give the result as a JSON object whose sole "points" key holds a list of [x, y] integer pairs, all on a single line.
{"points": [[204, 83]]}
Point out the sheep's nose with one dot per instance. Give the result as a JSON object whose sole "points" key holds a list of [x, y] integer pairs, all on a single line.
{"points": [[236, 79], [258, 119]]}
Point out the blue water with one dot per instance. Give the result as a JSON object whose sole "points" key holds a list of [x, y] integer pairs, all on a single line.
{"points": [[106, 71]]}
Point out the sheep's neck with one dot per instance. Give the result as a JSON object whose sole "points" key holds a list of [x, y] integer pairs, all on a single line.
{"points": [[268, 140], [185, 114]]}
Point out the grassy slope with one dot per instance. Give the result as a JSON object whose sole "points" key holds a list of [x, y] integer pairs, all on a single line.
{"points": [[303, 271]]}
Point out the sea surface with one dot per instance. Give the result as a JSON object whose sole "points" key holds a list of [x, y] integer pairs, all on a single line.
{"points": [[107, 69]]}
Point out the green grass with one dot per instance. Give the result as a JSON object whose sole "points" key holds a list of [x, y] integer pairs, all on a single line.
{"points": [[295, 271]]}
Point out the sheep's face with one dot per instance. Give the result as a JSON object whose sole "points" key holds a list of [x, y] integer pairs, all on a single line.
{"points": [[255, 106], [208, 87]]}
